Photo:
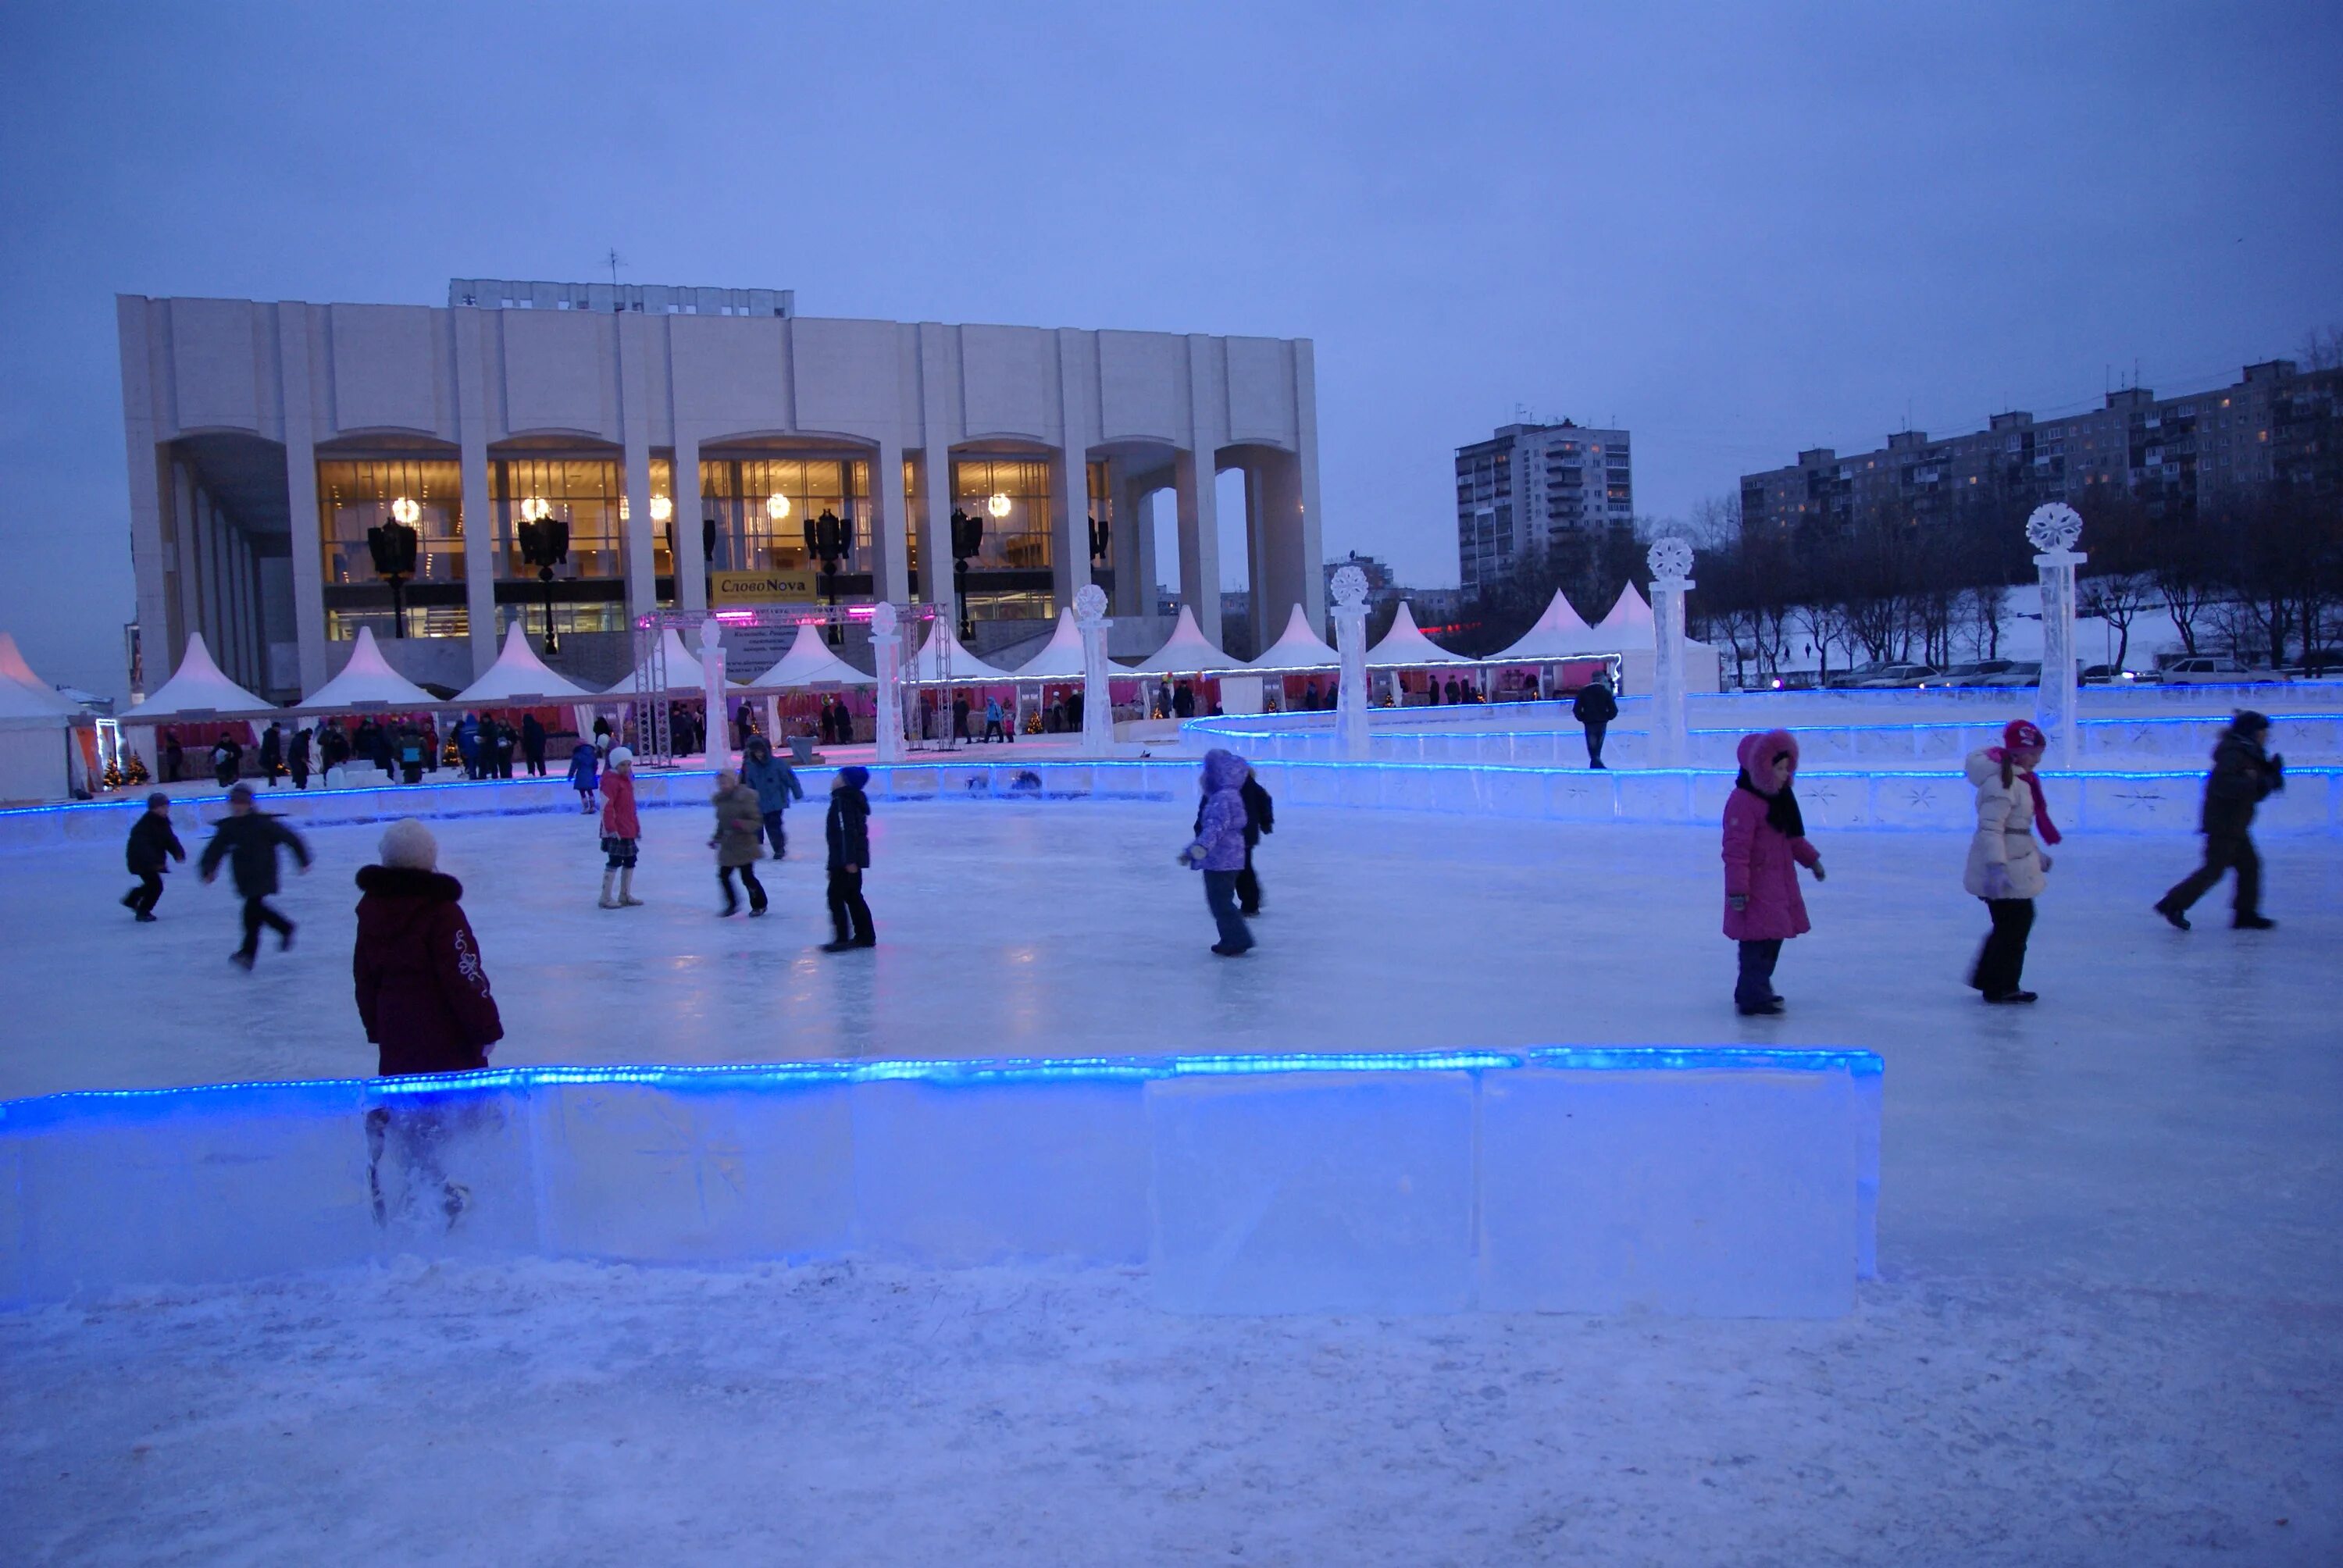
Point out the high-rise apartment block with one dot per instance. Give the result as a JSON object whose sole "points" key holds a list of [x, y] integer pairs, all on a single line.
{"points": [[1526, 484], [2277, 426]]}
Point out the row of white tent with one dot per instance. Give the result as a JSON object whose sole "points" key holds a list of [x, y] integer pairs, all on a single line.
{"points": [[519, 677], [40, 757]]}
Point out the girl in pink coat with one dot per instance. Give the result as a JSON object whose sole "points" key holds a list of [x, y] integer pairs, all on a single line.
{"points": [[1765, 844]]}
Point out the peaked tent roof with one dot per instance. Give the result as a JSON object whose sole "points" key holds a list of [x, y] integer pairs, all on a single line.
{"points": [[197, 685], [1559, 633], [518, 673], [36, 697], [682, 669], [1300, 648], [1060, 657], [1630, 613], [1185, 652], [810, 663], [368, 677], [1406, 648], [965, 666]]}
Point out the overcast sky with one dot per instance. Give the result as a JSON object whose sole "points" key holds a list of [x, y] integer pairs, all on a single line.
{"points": [[1736, 229]]}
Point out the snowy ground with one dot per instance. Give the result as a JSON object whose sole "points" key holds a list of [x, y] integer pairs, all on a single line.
{"points": [[2111, 1228]]}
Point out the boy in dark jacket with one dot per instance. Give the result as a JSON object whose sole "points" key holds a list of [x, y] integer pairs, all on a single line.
{"points": [[1594, 707], [248, 840], [776, 784], [2243, 776], [152, 843], [848, 828]]}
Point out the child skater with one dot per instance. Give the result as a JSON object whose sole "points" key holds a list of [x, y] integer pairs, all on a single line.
{"points": [[1765, 844], [847, 828], [621, 829], [738, 841], [152, 842], [583, 769], [1219, 849], [2006, 867]]}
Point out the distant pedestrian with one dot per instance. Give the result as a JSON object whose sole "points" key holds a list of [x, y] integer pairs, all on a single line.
{"points": [[1594, 707], [468, 745], [582, 772], [847, 828], [2243, 776], [224, 761], [272, 752], [602, 739], [175, 757], [532, 744], [298, 759], [152, 845], [505, 739], [1184, 701], [959, 715], [2006, 867], [776, 784], [1219, 848], [738, 829], [248, 839], [1765, 844], [622, 829], [993, 718], [1456, 690]]}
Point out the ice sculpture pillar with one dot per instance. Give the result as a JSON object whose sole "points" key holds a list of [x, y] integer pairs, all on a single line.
{"points": [[1669, 559], [1351, 643], [2052, 530], [886, 651], [718, 744], [1098, 698]]}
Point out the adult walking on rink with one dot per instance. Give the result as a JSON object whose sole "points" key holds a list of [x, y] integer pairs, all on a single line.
{"points": [[1594, 707], [2243, 776], [2006, 868], [152, 845], [847, 828], [248, 840]]}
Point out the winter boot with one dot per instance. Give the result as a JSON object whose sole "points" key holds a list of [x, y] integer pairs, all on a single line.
{"points": [[608, 902], [2245, 923], [627, 890], [2173, 913]]}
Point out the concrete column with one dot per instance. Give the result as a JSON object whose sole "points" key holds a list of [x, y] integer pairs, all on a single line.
{"points": [[635, 456], [1309, 547], [480, 552], [889, 563], [683, 493], [1069, 552], [158, 542], [1288, 570], [1134, 541], [301, 495], [939, 388], [1200, 541], [187, 534]]}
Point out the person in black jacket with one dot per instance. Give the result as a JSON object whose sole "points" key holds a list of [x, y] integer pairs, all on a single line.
{"points": [[272, 752], [1594, 707], [2243, 776], [848, 828], [248, 840], [175, 757], [152, 845], [532, 745]]}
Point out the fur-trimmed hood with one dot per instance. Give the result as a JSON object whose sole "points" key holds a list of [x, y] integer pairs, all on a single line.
{"points": [[401, 882]]}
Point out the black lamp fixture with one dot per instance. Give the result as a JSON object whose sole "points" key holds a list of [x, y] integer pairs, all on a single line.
{"points": [[393, 546], [830, 542], [545, 545], [967, 539], [1101, 539]]}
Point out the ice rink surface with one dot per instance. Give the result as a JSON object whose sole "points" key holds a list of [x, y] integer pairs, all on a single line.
{"points": [[2111, 1230]]}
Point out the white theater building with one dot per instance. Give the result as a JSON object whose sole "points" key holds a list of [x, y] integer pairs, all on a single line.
{"points": [[265, 439]]}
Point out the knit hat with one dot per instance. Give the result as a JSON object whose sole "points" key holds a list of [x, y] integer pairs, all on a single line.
{"points": [[408, 844], [620, 756], [157, 799], [2021, 733], [855, 778], [2246, 718]]}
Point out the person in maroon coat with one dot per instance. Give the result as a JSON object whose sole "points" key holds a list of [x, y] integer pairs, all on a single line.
{"points": [[421, 990], [1764, 845]]}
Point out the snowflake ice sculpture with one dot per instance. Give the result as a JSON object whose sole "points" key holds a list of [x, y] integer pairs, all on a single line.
{"points": [[1350, 587], [1669, 557], [883, 618], [1090, 604], [2054, 525]]}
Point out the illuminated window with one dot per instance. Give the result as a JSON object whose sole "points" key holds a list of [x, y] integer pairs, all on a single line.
{"points": [[355, 495]]}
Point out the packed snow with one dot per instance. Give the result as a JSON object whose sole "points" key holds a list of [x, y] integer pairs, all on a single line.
{"points": [[2111, 1231]]}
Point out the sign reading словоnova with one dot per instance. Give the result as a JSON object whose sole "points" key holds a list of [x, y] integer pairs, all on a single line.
{"points": [[761, 588]]}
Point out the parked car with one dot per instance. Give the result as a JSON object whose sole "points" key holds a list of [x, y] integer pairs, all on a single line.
{"points": [[2212, 669], [2104, 675], [2006, 672], [1890, 676]]}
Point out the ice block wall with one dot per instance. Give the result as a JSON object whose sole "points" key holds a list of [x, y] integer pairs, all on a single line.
{"points": [[1717, 1181]]}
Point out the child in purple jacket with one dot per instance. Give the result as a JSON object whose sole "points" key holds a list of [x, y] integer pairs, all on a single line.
{"points": [[1219, 850]]}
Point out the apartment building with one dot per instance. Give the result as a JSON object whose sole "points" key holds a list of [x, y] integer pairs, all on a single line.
{"points": [[1527, 484]]}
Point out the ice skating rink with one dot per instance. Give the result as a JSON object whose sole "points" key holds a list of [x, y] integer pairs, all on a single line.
{"points": [[2111, 1230]]}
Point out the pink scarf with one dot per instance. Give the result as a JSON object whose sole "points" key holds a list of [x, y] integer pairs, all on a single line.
{"points": [[2050, 834]]}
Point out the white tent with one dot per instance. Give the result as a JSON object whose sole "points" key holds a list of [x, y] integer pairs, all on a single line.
{"points": [[368, 679], [810, 663], [43, 699], [1404, 647], [683, 672], [1298, 649], [1630, 618], [965, 667], [35, 732], [1060, 659], [1185, 652], [1559, 634], [518, 678], [197, 688]]}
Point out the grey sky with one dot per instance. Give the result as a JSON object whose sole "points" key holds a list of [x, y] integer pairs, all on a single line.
{"points": [[1737, 229]]}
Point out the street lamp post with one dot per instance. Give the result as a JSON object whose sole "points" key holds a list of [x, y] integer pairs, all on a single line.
{"points": [[830, 542], [967, 539], [545, 545], [393, 546]]}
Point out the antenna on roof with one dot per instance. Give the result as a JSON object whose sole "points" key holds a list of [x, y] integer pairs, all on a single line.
{"points": [[614, 261]]}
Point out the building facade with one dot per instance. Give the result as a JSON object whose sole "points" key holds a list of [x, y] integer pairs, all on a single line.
{"points": [[266, 439], [1529, 483], [2276, 425]]}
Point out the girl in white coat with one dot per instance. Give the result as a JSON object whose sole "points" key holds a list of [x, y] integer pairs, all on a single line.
{"points": [[2006, 867]]}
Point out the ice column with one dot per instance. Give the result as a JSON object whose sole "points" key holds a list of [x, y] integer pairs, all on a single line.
{"points": [[1350, 642], [1098, 698], [2053, 529], [1669, 559], [886, 650], [719, 743]]}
